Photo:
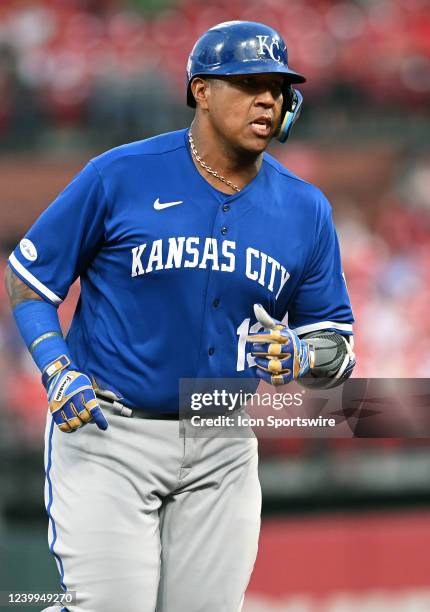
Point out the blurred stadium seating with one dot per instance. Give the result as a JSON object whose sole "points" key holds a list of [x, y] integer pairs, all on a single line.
{"points": [[82, 61], [69, 68]]}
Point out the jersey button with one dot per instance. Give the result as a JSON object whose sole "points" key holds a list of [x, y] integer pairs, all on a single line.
{"points": [[224, 230], [211, 351], [216, 302], [226, 207]]}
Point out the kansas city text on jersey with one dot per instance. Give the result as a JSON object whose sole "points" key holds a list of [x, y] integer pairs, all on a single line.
{"points": [[193, 252]]}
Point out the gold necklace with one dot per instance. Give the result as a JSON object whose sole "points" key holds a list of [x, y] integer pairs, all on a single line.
{"points": [[207, 167]]}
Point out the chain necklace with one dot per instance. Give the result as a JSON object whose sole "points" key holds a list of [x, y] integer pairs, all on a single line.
{"points": [[207, 167]]}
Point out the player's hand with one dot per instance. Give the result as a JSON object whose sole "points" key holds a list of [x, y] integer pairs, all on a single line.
{"points": [[279, 353], [72, 401]]}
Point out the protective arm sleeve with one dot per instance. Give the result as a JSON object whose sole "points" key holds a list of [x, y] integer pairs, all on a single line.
{"points": [[71, 396], [40, 329]]}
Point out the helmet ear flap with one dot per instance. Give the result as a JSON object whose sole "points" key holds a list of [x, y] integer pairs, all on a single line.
{"points": [[287, 93], [190, 97], [292, 105]]}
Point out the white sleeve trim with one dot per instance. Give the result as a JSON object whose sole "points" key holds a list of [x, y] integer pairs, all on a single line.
{"points": [[33, 280], [304, 329]]}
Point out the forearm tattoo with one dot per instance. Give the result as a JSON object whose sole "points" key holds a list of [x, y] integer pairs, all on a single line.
{"points": [[17, 290]]}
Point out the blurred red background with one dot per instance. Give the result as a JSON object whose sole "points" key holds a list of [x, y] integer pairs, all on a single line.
{"points": [[79, 76]]}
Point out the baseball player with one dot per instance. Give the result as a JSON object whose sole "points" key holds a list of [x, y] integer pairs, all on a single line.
{"points": [[175, 239]]}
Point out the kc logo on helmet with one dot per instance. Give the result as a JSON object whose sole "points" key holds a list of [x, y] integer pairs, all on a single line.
{"points": [[266, 48]]}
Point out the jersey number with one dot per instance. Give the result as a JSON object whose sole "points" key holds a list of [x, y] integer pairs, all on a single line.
{"points": [[242, 331]]}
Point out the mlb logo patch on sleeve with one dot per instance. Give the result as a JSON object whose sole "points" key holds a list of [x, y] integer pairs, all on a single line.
{"points": [[28, 249]]}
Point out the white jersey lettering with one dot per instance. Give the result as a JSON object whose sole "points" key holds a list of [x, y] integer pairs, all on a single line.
{"points": [[192, 250], [136, 265], [275, 266], [284, 277], [156, 256], [251, 274], [175, 253], [210, 253], [262, 269], [180, 252], [226, 245]]}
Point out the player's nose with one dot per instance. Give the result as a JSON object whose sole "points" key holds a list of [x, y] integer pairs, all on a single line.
{"points": [[265, 98]]}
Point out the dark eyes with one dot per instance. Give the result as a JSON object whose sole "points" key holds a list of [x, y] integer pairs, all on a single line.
{"points": [[254, 83], [277, 88]]}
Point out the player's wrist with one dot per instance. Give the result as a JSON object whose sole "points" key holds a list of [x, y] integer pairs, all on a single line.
{"points": [[307, 357], [53, 368], [40, 328]]}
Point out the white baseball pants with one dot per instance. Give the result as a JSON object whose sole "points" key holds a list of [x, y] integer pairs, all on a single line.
{"points": [[143, 518]]}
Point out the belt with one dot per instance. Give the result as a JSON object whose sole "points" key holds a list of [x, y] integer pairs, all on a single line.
{"points": [[134, 413]]}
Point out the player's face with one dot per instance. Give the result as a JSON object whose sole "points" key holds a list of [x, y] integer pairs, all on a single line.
{"points": [[246, 109]]}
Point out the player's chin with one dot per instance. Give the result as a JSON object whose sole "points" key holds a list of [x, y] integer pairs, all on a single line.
{"points": [[257, 143]]}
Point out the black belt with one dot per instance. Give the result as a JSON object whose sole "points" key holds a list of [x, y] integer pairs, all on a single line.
{"points": [[135, 413]]}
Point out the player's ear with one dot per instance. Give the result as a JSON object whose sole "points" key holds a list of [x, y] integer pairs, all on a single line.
{"points": [[200, 89]]}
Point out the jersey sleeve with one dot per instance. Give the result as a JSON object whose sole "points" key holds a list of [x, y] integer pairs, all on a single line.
{"points": [[65, 238], [321, 300]]}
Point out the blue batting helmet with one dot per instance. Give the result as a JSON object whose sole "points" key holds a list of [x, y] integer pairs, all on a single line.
{"points": [[246, 47]]}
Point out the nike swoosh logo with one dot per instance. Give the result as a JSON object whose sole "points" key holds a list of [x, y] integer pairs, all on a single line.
{"points": [[159, 206]]}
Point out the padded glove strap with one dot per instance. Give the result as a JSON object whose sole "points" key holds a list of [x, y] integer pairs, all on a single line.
{"points": [[52, 368]]}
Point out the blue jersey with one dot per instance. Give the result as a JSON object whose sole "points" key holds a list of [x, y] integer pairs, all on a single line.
{"points": [[170, 267]]}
